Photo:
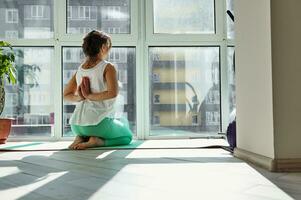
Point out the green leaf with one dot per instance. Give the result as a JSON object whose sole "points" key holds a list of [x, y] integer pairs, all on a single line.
{"points": [[12, 76], [7, 59]]}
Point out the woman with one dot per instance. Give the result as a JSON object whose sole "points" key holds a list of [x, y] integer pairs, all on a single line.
{"points": [[95, 87]]}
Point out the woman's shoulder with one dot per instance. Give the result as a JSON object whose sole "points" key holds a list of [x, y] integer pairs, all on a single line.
{"points": [[110, 65], [108, 62]]}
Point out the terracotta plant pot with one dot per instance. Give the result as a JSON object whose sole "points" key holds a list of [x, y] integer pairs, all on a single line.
{"points": [[5, 126]]}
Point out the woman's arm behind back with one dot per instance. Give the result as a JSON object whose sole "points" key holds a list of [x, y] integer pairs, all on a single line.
{"points": [[70, 89]]}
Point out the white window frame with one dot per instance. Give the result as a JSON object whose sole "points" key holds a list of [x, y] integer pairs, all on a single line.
{"points": [[82, 15], [158, 37], [13, 11], [37, 9], [142, 38]]}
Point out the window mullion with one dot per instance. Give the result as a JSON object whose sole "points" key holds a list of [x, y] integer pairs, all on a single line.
{"points": [[59, 21]]}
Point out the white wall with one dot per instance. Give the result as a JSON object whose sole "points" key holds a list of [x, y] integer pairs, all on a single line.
{"points": [[254, 77], [286, 43]]}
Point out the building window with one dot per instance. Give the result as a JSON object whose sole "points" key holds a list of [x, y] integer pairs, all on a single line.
{"points": [[80, 30], [156, 77], [37, 11], [212, 118], [84, 12], [113, 30], [83, 30], [111, 12], [11, 34], [156, 120], [156, 99], [12, 16], [213, 97], [115, 55]]}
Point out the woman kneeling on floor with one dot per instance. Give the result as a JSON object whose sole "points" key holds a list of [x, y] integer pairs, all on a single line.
{"points": [[94, 87]]}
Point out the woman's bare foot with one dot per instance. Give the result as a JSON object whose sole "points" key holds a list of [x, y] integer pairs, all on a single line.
{"points": [[77, 140], [93, 142]]}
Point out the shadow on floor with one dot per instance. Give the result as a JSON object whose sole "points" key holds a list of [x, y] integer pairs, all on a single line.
{"points": [[290, 183], [37, 170]]}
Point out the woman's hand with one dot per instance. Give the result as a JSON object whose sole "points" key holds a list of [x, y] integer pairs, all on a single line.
{"points": [[85, 87], [80, 94]]}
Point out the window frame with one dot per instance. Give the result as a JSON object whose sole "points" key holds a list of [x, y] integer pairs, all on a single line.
{"points": [[13, 11], [160, 134], [37, 10], [141, 37], [51, 136], [119, 37], [162, 37], [181, 40]]}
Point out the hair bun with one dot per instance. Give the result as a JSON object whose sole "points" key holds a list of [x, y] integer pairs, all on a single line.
{"points": [[93, 42]]}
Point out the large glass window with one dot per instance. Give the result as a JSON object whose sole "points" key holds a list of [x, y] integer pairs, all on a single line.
{"points": [[125, 60], [109, 16], [26, 19], [184, 16], [185, 89], [30, 102]]}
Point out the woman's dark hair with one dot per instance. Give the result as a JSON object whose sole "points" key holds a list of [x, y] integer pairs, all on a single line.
{"points": [[94, 41]]}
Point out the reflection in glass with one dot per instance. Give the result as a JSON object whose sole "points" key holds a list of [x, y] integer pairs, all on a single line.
{"points": [[184, 16], [124, 59], [186, 97], [109, 16], [30, 101], [231, 75], [26, 19], [230, 23]]}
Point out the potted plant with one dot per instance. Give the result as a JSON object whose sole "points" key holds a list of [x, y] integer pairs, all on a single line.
{"points": [[7, 72]]}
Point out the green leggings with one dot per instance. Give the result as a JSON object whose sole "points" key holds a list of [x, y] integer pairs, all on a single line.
{"points": [[114, 132]]}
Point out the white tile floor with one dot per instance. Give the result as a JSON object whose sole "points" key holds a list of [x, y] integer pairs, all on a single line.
{"points": [[140, 174]]}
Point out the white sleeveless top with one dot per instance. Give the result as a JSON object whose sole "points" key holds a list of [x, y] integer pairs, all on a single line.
{"points": [[92, 112]]}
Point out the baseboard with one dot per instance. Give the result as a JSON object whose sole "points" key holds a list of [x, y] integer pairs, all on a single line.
{"points": [[288, 165], [274, 165], [259, 160]]}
